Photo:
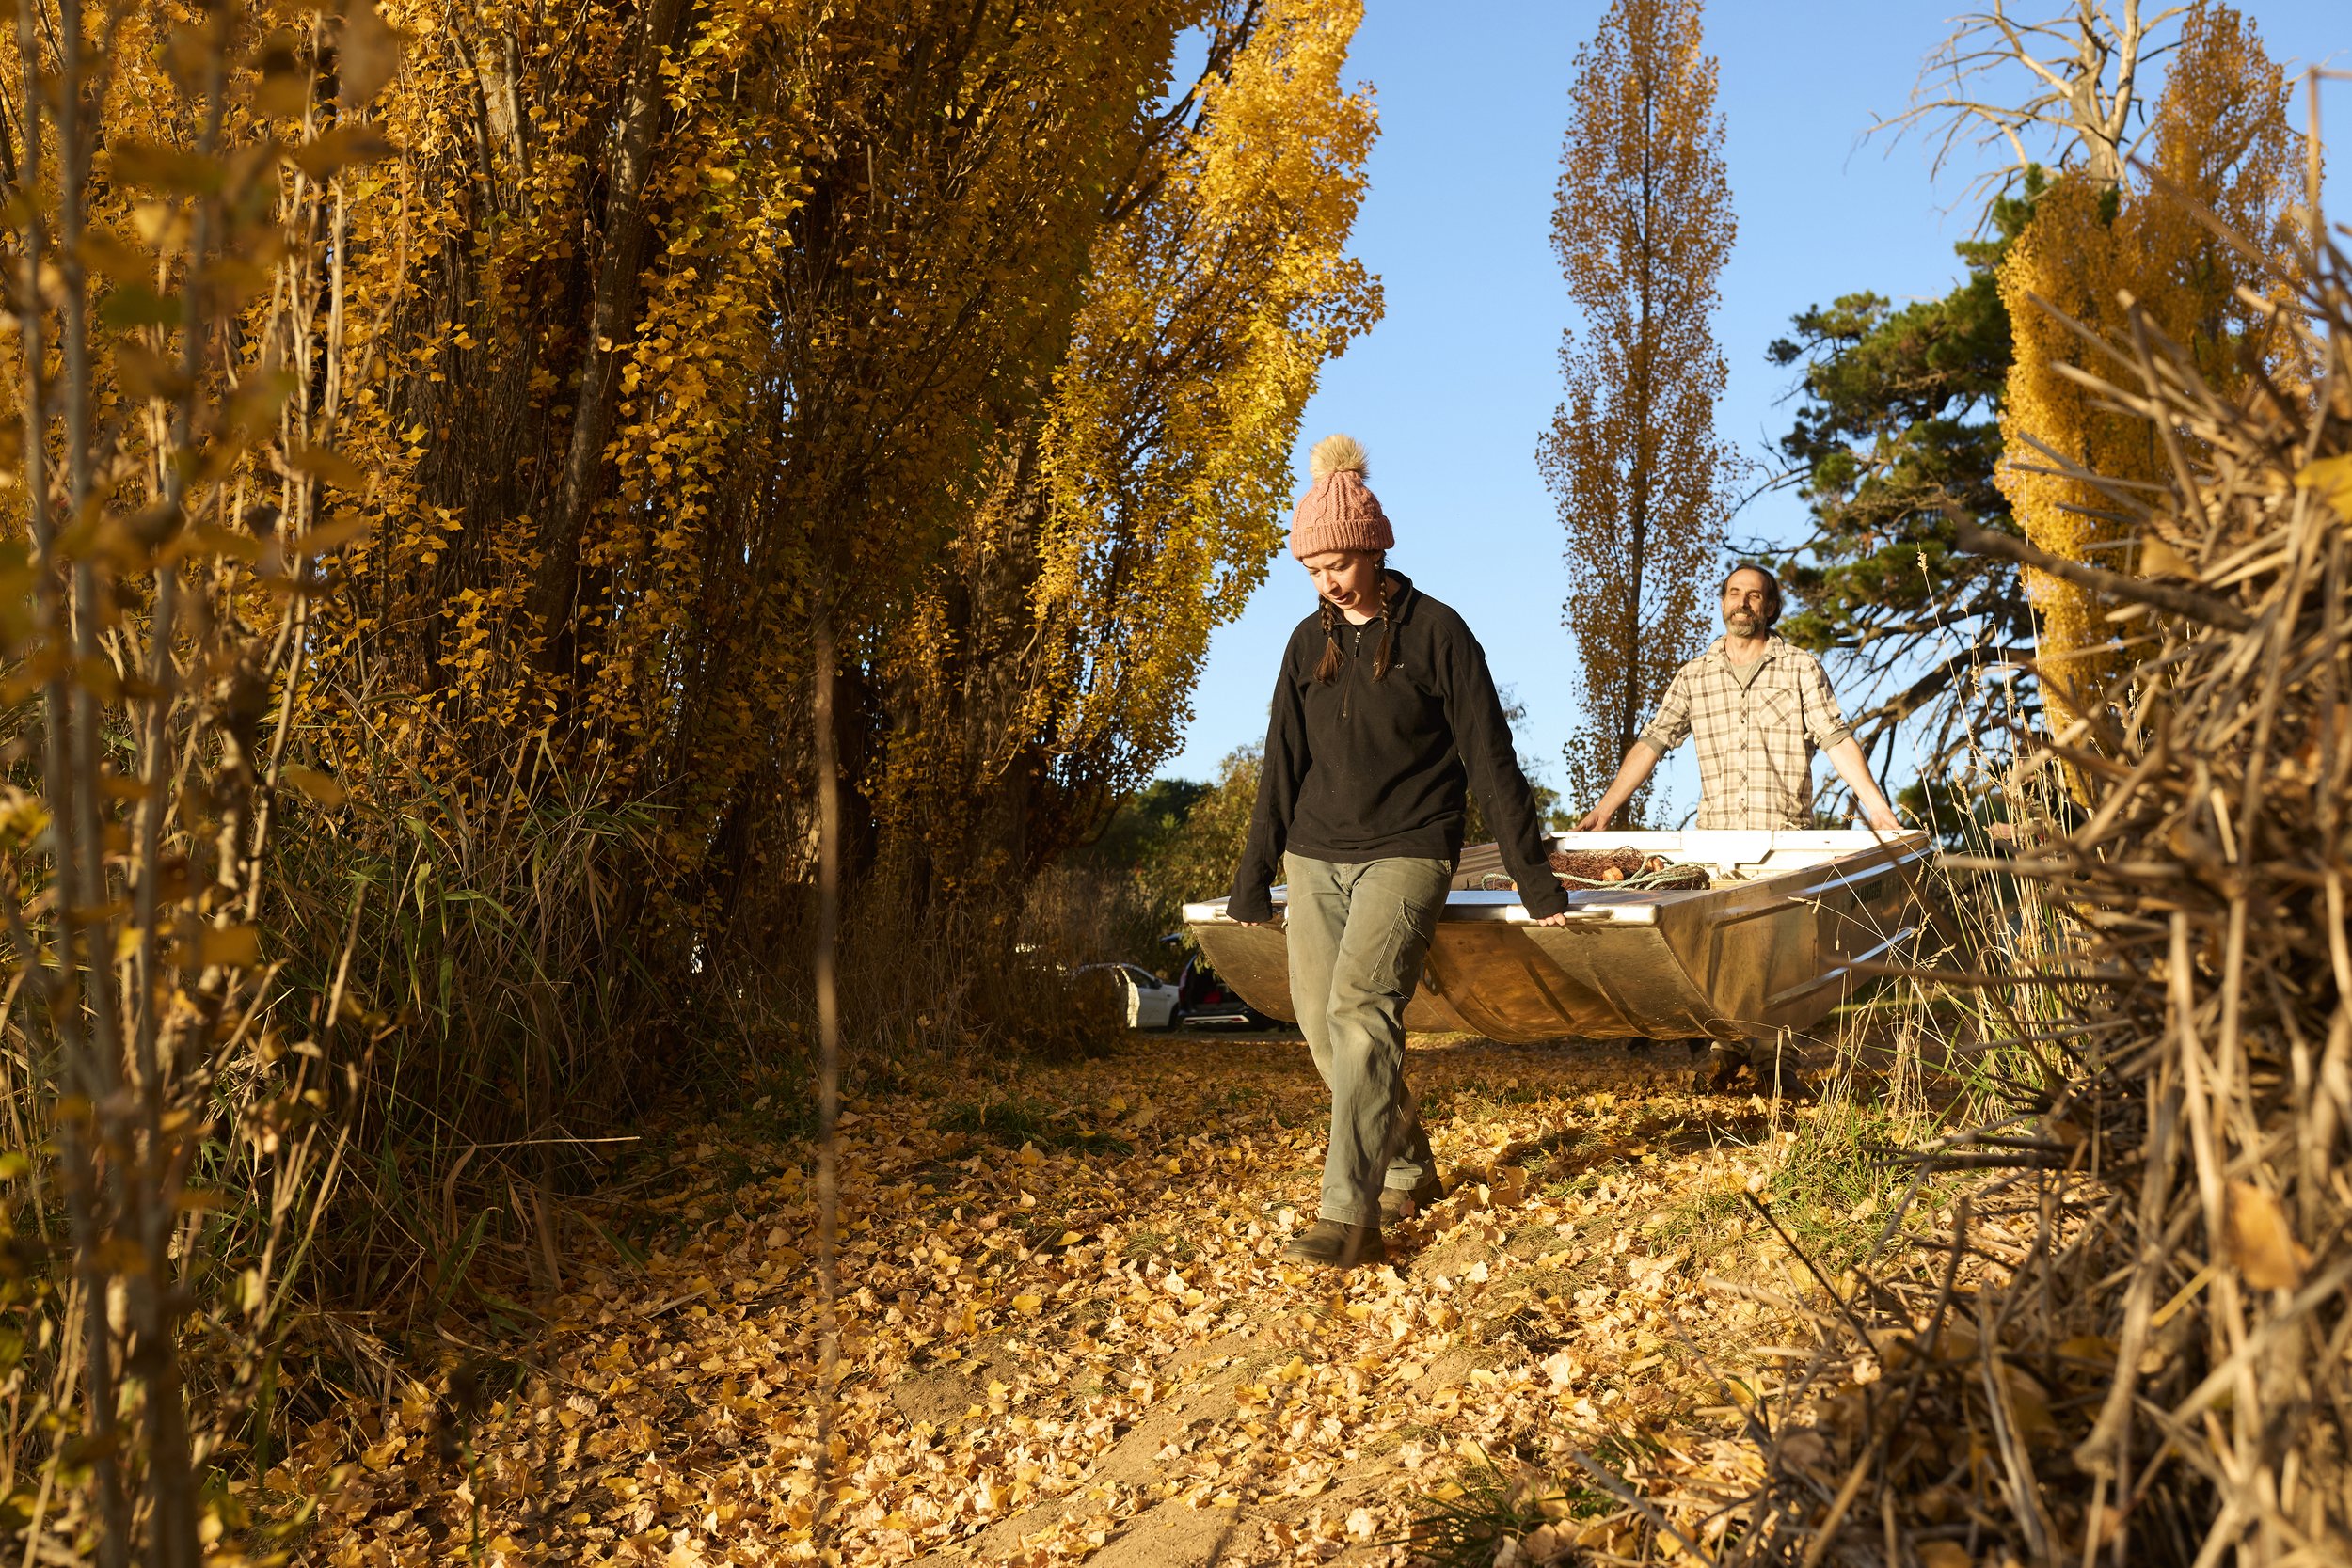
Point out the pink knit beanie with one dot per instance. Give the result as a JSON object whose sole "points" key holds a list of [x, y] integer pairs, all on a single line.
{"points": [[1339, 512]]}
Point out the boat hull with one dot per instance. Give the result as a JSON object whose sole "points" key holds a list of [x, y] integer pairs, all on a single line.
{"points": [[1788, 933]]}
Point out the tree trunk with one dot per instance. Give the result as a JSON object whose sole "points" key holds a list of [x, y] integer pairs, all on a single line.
{"points": [[624, 233], [1628, 709]]}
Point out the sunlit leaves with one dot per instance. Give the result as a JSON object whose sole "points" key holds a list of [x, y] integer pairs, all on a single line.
{"points": [[1051, 1350], [1161, 468], [872, 300], [2223, 151], [2331, 478], [1643, 226]]}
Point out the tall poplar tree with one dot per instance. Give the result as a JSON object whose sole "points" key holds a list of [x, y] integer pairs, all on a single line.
{"points": [[2222, 146], [1643, 226]]}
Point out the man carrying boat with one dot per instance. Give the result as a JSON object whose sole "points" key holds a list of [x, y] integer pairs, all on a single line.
{"points": [[1757, 708]]}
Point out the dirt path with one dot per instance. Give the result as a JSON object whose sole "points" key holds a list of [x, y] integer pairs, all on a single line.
{"points": [[1069, 1334]]}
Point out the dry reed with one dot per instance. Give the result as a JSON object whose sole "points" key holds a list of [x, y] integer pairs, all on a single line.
{"points": [[2129, 1342]]}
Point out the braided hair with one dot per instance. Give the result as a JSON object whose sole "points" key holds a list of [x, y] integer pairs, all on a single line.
{"points": [[1383, 658]]}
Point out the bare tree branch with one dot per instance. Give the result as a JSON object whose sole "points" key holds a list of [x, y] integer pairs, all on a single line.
{"points": [[2082, 109]]}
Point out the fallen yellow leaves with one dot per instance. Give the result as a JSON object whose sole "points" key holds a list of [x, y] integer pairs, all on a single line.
{"points": [[2261, 1244], [1109, 1344]]}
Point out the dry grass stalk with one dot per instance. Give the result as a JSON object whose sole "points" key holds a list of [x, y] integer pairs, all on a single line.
{"points": [[179, 367], [2132, 1346]]}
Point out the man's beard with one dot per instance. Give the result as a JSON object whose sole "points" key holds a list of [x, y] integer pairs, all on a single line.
{"points": [[1741, 622]]}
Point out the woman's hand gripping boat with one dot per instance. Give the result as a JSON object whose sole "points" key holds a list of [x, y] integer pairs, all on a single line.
{"points": [[1791, 924]]}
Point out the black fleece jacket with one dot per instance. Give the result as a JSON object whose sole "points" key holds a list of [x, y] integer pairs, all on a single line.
{"points": [[1362, 769]]}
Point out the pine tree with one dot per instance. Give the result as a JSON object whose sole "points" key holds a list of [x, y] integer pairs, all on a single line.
{"points": [[1899, 424], [1642, 226]]}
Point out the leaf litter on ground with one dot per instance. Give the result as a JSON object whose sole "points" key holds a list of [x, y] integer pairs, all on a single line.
{"points": [[1086, 1345]]}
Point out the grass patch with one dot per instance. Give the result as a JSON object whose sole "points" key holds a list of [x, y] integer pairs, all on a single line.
{"points": [[1709, 1221], [1560, 1187], [1465, 1522], [782, 1104], [1014, 1121], [732, 1169], [1833, 1188], [1153, 1243]]}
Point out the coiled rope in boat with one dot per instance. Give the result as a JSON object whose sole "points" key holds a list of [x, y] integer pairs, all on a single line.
{"points": [[1620, 870]]}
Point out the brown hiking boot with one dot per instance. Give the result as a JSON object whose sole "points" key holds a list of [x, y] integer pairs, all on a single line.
{"points": [[1777, 1075], [1403, 1203], [1338, 1246], [1725, 1060]]}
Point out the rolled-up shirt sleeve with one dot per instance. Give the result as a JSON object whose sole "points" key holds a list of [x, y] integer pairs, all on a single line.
{"points": [[1824, 725], [1671, 726]]}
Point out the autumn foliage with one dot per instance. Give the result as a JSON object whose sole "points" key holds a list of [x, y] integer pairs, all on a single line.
{"points": [[1642, 226], [437, 437], [972, 334], [2222, 152], [480, 486]]}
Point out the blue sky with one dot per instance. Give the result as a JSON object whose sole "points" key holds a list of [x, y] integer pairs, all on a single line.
{"points": [[1452, 389]]}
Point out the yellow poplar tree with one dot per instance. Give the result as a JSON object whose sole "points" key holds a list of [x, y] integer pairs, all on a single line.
{"points": [[1643, 226], [906, 333], [2222, 144], [683, 323], [862, 234], [1148, 499]]}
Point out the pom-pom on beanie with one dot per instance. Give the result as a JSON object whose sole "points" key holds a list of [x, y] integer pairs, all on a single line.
{"points": [[1339, 512]]}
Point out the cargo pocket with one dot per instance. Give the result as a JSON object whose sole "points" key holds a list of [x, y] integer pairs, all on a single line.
{"points": [[1406, 948]]}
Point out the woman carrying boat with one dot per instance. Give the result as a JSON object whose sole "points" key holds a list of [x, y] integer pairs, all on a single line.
{"points": [[1383, 714]]}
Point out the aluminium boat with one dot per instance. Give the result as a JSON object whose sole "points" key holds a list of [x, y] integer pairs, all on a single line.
{"points": [[1790, 925]]}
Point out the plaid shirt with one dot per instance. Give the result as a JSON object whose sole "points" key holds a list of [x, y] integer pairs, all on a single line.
{"points": [[1755, 767]]}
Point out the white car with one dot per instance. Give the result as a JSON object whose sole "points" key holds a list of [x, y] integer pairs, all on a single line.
{"points": [[1151, 1002]]}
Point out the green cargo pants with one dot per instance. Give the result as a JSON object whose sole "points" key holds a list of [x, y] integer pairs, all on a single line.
{"points": [[1357, 937]]}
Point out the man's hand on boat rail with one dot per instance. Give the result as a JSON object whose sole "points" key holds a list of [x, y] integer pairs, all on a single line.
{"points": [[1560, 918]]}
